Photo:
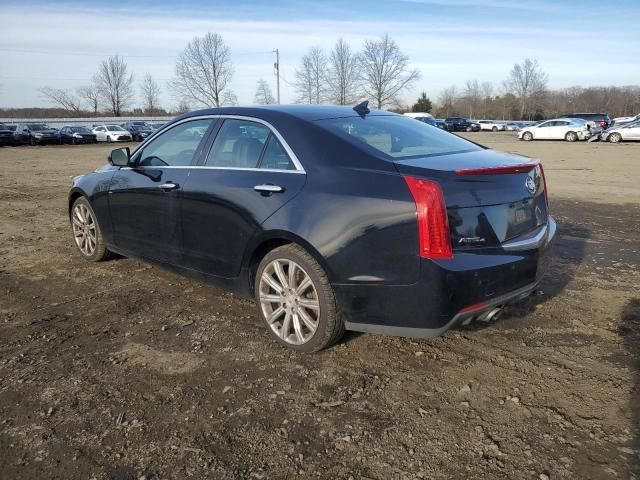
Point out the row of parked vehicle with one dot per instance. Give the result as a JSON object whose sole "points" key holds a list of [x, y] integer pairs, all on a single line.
{"points": [[41, 134], [570, 127]]}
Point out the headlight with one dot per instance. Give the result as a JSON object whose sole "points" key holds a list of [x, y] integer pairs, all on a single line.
{"points": [[37, 134], [77, 135]]}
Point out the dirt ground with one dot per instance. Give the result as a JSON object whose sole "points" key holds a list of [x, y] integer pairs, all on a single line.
{"points": [[119, 370]]}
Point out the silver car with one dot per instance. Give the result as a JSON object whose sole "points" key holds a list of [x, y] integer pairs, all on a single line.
{"points": [[627, 131]]}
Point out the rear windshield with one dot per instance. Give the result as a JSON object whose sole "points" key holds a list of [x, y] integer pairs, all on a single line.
{"points": [[398, 136]]}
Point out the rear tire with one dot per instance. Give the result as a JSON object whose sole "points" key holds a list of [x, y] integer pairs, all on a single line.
{"points": [[571, 137], [108, 139], [615, 137], [527, 136], [296, 300], [87, 235]]}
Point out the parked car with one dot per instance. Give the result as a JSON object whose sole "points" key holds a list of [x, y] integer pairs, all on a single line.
{"points": [[440, 123], [622, 120], [424, 118], [600, 119], [624, 132], [138, 132], [156, 126], [512, 126], [6, 135], [35, 134], [491, 125], [569, 129], [461, 124], [75, 135], [331, 218], [111, 133]]}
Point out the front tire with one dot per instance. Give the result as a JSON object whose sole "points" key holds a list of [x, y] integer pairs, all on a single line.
{"points": [[494, 129], [527, 136], [87, 235], [296, 301], [108, 138], [571, 136], [615, 137]]}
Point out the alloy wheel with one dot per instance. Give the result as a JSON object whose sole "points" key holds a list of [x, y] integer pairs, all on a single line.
{"points": [[615, 138], [289, 301], [84, 229]]}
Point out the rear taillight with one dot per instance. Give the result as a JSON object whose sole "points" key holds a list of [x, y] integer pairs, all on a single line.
{"points": [[544, 182], [433, 225]]}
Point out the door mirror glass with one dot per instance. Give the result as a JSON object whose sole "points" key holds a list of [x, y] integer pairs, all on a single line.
{"points": [[119, 157]]}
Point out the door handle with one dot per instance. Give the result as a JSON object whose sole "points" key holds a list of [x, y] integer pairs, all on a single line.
{"points": [[168, 186], [265, 188]]}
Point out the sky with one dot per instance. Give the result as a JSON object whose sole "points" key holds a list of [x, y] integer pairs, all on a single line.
{"points": [[60, 44]]}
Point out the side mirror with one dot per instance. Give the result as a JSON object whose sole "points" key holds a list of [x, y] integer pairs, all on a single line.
{"points": [[119, 157]]}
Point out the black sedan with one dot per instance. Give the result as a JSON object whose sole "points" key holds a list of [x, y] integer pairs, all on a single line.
{"points": [[138, 132], [331, 218], [461, 124], [75, 135]]}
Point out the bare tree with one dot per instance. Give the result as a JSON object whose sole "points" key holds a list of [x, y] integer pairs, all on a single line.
{"points": [[263, 94], [116, 84], [150, 94], [527, 82], [311, 77], [229, 99], [344, 77], [472, 96], [385, 71], [446, 101], [91, 94], [203, 70], [64, 98]]}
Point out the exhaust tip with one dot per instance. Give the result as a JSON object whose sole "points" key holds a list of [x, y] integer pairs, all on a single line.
{"points": [[492, 315]]}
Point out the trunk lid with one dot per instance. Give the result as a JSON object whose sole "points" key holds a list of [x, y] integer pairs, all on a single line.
{"points": [[491, 197]]}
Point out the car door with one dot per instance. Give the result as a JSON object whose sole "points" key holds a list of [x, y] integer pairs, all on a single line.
{"points": [[144, 199], [631, 132], [248, 173], [544, 130]]}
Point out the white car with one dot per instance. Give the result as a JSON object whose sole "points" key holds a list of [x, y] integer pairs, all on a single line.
{"points": [[111, 133], [491, 125], [569, 129], [617, 134]]}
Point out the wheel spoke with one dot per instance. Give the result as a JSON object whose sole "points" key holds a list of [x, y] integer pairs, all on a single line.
{"points": [[277, 266], [304, 285], [269, 280], [298, 328], [310, 303], [292, 274], [270, 298], [286, 325], [76, 222], [275, 315], [308, 321]]}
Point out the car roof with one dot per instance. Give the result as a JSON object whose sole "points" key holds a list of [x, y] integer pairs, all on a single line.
{"points": [[304, 112]]}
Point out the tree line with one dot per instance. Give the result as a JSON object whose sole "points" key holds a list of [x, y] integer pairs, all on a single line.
{"points": [[379, 71], [524, 95]]}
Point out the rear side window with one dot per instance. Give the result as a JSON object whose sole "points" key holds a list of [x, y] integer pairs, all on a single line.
{"points": [[397, 136], [275, 157]]}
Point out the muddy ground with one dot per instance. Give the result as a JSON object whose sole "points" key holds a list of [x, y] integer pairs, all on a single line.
{"points": [[118, 370]]}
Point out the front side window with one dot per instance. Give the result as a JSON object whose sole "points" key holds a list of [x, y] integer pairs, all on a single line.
{"points": [[176, 146], [396, 136]]}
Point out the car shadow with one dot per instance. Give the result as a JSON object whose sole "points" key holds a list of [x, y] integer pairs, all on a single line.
{"points": [[567, 254], [629, 331]]}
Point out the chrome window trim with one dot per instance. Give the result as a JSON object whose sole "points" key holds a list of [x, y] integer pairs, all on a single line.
{"points": [[292, 156]]}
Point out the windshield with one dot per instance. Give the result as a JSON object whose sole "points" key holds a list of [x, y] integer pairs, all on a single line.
{"points": [[114, 128], [398, 137], [38, 128], [80, 130]]}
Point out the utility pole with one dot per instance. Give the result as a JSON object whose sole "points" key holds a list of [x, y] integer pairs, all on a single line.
{"points": [[276, 67]]}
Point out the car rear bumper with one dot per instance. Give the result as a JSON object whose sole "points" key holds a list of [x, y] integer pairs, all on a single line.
{"points": [[450, 292]]}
